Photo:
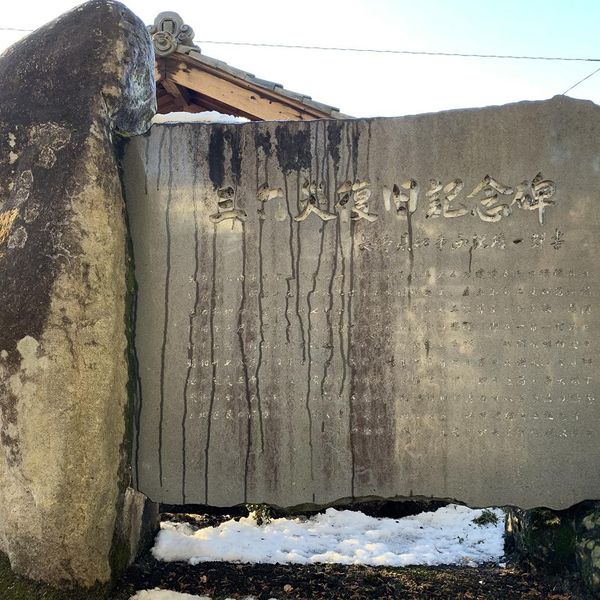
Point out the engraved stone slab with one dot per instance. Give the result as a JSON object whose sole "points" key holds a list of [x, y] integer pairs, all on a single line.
{"points": [[385, 307]]}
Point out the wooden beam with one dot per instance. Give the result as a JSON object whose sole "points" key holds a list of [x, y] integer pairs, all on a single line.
{"points": [[158, 71], [244, 97], [181, 94], [212, 104], [165, 102]]}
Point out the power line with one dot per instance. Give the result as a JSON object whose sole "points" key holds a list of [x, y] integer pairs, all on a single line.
{"points": [[410, 52], [581, 80], [383, 51]]}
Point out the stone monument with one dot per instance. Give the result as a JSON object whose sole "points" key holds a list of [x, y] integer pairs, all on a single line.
{"points": [[386, 307]]}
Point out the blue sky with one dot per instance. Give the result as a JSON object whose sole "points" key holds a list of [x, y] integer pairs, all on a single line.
{"points": [[387, 85]]}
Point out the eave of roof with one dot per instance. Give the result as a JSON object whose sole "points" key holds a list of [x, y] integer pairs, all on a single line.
{"points": [[191, 81]]}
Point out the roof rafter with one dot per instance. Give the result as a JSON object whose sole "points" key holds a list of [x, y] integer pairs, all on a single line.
{"points": [[183, 72]]}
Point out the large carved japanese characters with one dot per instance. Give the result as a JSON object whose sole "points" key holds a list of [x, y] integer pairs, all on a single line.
{"points": [[66, 516], [391, 307]]}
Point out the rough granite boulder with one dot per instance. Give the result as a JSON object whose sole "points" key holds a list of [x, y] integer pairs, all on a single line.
{"points": [[587, 546], [65, 91], [543, 537], [559, 542]]}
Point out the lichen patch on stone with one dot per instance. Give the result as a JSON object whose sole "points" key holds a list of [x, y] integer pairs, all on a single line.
{"points": [[18, 238], [23, 185], [7, 218], [30, 361]]}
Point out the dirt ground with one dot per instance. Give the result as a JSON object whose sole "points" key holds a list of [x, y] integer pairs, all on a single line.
{"points": [[338, 582]]}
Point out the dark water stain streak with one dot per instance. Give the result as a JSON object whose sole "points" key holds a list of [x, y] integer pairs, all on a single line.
{"points": [[330, 342], [261, 294], [343, 285], [411, 257], [324, 161], [328, 317], [191, 344], [261, 329], [355, 141], [309, 295], [160, 150], [298, 253], [213, 300], [309, 341], [351, 363], [369, 124], [470, 258], [240, 331], [138, 388], [292, 276], [163, 351]]}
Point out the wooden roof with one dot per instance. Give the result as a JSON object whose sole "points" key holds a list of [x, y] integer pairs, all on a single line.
{"points": [[187, 80]]}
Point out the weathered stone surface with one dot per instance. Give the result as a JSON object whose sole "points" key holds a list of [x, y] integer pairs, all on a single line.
{"points": [[544, 537], [429, 328], [64, 92], [587, 546], [559, 541]]}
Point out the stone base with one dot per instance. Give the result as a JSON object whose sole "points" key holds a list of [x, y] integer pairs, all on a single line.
{"points": [[559, 541], [587, 548]]}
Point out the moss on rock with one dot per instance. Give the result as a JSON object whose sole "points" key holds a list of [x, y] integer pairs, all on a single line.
{"points": [[587, 550], [544, 537]]}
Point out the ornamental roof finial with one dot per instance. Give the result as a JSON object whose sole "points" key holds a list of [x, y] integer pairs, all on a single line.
{"points": [[170, 34]]}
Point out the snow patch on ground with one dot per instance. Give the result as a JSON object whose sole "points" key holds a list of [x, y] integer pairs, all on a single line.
{"points": [[165, 595], [157, 594], [446, 536], [209, 116]]}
